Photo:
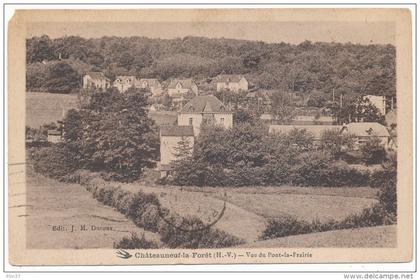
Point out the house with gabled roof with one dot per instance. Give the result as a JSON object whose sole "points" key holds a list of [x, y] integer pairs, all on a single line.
{"points": [[364, 131], [122, 83], [234, 83], [205, 109], [152, 85], [180, 89], [95, 80]]}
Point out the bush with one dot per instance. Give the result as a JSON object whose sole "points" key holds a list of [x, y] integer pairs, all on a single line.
{"points": [[55, 161], [316, 169], [134, 242], [373, 216], [373, 151], [191, 232], [145, 211], [388, 193], [285, 226]]}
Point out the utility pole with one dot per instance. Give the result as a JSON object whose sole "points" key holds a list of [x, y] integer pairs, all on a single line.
{"points": [[341, 100], [333, 95]]}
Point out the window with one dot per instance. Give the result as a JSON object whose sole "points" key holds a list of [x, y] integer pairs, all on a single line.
{"points": [[222, 120], [190, 121]]}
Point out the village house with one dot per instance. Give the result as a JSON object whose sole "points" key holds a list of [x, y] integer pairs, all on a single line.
{"points": [[54, 136], [122, 83], [206, 109], [95, 80], [170, 138], [234, 83], [364, 131], [181, 89], [152, 85]]}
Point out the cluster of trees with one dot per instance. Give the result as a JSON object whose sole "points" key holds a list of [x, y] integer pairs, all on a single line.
{"points": [[111, 134], [313, 70], [55, 77], [248, 155]]}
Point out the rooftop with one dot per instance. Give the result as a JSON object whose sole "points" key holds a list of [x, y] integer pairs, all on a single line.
{"points": [[54, 132], [185, 83], [204, 103], [315, 130], [365, 129], [97, 75]]}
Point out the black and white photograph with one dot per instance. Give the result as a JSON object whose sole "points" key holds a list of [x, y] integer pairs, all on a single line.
{"points": [[227, 136]]}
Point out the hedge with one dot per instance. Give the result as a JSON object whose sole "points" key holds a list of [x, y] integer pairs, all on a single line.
{"points": [[146, 212]]}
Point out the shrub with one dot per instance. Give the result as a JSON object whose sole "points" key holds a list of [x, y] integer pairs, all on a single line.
{"points": [[369, 217], [316, 169], [388, 193], [55, 161], [373, 151], [191, 232], [145, 211], [336, 143], [134, 242], [285, 226]]}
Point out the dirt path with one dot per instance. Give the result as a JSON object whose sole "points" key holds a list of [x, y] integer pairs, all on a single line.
{"points": [[53, 209]]}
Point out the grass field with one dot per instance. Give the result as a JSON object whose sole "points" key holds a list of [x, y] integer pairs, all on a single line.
{"points": [[43, 107], [50, 203], [247, 209], [370, 237]]}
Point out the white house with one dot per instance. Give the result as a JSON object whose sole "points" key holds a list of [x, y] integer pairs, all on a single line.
{"points": [[205, 109], [364, 131], [152, 85], [170, 139], [122, 83], [379, 102], [95, 80], [178, 89], [54, 136], [234, 83]]}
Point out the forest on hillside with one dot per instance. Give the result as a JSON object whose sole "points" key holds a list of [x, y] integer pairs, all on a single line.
{"points": [[315, 69]]}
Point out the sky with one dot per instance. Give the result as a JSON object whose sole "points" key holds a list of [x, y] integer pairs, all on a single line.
{"points": [[289, 32]]}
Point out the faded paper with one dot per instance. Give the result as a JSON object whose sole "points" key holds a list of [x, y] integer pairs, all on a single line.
{"points": [[25, 22]]}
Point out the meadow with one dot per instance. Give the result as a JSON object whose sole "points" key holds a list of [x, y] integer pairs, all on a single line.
{"points": [[51, 203], [43, 108]]}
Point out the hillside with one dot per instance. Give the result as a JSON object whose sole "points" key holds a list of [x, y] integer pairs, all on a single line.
{"points": [[311, 69]]}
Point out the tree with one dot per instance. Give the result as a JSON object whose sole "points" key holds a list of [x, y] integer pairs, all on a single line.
{"points": [[360, 110], [184, 149], [113, 134], [281, 108], [243, 116], [301, 139], [39, 49], [335, 143], [62, 78], [373, 151]]}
